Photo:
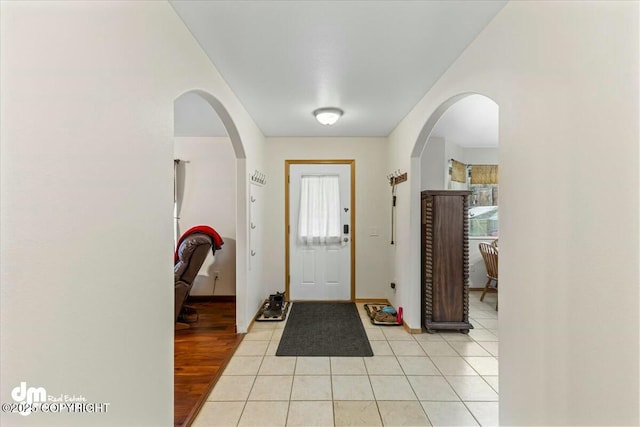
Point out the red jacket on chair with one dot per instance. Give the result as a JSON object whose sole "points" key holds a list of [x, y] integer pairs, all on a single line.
{"points": [[204, 229]]}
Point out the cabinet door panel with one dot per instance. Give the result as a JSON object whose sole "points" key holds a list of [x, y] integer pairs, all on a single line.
{"points": [[448, 280]]}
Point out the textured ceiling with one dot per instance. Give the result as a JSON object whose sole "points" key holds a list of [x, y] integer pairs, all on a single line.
{"points": [[373, 59]]}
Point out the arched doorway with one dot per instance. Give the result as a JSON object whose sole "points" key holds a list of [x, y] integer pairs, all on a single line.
{"points": [[210, 190], [461, 153], [200, 114], [466, 110], [445, 136]]}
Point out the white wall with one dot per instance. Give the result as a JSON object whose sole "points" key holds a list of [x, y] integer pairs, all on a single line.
{"points": [[565, 75], [208, 177], [435, 168], [480, 155], [86, 173], [373, 206]]}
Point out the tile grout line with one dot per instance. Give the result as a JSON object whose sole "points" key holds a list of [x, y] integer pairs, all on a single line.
{"points": [[293, 380], [333, 405], [373, 392], [406, 377], [456, 392], [448, 383], [255, 378]]}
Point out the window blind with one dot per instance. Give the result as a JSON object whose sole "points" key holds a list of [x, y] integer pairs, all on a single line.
{"points": [[484, 174]]}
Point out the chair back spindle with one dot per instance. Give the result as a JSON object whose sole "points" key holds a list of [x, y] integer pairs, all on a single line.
{"points": [[490, 257]]}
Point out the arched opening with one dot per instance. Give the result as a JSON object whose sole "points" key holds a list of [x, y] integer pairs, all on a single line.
{"points": [[460, 153], [464, 128], [210, 183]]}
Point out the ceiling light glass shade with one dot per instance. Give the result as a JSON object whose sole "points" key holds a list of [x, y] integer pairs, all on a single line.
{"points": [[328, 116]]}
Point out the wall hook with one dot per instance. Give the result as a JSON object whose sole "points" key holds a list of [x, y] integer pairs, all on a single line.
{"points": [[396, 177], [258, 178]]}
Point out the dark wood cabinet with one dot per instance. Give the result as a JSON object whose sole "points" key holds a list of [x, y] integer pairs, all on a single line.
{"points": [[445, 260]]}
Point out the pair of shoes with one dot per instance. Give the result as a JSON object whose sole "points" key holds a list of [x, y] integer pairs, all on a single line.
{"points": [[383, 317], [274, 307]]}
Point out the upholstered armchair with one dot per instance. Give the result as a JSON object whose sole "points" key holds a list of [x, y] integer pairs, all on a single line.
{"points": [[191, 253]]}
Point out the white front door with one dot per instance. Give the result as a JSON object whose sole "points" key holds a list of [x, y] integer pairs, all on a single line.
{"points": [[320, 270]]}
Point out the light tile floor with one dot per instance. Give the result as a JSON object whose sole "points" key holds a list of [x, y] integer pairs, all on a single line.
{"points": [[442, 379]]}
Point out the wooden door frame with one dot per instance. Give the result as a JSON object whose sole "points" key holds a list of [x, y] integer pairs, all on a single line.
{"points": [[352, 208]]}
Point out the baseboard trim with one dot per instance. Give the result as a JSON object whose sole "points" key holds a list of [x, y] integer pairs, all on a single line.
{"points": [[410, 329], [251, 323], [211, 298]]}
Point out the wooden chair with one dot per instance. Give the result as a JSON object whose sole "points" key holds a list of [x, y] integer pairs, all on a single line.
{"points": [[490, 256], [495, 243]]}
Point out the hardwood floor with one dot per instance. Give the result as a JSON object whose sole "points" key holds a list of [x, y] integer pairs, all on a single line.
{"points": [[200, 355]]}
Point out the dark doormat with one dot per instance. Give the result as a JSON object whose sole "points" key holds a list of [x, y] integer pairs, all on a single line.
{"points": [[324, 329]]}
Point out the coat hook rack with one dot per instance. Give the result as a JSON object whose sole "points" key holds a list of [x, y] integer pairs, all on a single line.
{"points": [[396, 177], [258, 178]]}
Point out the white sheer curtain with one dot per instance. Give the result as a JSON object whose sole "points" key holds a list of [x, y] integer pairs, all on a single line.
{"points": [[319, 220]]}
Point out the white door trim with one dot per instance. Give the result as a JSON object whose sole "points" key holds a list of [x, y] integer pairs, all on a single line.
{"points": [[352, 209]]}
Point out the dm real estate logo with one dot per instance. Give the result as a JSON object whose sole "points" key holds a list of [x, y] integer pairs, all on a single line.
{"points": [[28, 400], [28, 397]]}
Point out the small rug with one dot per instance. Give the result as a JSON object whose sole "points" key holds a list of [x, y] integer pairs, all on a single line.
{"points": [[324, 329]]}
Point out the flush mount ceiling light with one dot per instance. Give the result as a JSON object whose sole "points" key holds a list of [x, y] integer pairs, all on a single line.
{"points": [[328, 116]]}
